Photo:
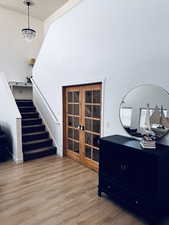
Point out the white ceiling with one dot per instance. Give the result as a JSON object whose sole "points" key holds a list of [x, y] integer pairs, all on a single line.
{"points": [[41, 9]]}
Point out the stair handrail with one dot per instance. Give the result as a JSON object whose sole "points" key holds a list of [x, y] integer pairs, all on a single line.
{"points": [[44, 99]]}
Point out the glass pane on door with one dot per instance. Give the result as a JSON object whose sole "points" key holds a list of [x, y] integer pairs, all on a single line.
{"points": [[73, 117], [73, 146], [92, 154], [92, 124]]}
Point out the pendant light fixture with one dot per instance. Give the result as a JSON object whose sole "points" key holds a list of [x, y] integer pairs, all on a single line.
{"points": [[28, 33]]}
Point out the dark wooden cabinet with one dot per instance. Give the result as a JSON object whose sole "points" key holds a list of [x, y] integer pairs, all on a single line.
{"points": [[135, 178]]}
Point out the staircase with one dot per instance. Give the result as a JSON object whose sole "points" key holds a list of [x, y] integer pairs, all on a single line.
{"points": [[36, 142]]}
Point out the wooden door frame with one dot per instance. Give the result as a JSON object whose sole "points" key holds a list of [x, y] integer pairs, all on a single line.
{"points": [[64, 108]]}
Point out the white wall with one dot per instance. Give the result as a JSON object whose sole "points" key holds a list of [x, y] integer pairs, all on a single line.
{"points": [[15, 51], [124, 43], [10, 118], [22, 92]]}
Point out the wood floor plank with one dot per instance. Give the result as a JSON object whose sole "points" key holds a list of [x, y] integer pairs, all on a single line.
{"points": [[55, 191]]}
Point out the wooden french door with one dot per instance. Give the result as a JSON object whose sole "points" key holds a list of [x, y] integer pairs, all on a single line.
{"points": [[82, 123]]}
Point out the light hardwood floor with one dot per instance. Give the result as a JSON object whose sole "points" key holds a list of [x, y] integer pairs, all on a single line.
{"points": [[55, 191]]}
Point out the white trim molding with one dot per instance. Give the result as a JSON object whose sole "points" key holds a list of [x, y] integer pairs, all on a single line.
{"points": [[60, 12]]}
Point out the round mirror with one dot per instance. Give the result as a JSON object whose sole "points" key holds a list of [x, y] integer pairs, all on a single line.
{"points": [[145, 109]]}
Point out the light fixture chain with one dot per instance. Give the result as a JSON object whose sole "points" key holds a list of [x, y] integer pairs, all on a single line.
{"points": [[28, 17], [28, 33]]}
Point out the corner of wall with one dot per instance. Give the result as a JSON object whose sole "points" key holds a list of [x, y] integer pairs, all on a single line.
{"points": [[60, 12]]}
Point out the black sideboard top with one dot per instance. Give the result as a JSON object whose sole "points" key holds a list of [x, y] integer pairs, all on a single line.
{"points": [[135, 144]]}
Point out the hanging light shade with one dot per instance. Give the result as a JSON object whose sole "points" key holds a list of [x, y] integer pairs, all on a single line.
{"points": [[28, 33]]}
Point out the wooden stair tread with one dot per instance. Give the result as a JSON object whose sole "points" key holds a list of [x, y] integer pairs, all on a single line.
{"points": [[26, 106], [27, 119], [35, 133], [39, 150], [25, 100], [28, 113], [36, 141], [34, 125]]}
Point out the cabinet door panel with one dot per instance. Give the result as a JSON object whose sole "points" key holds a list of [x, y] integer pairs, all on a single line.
{"points": [[129, 167], [145, 178], [114, 162]]}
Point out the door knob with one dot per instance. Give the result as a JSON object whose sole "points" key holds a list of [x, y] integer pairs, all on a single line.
{"points": [[79, 127], [82, 128]]}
